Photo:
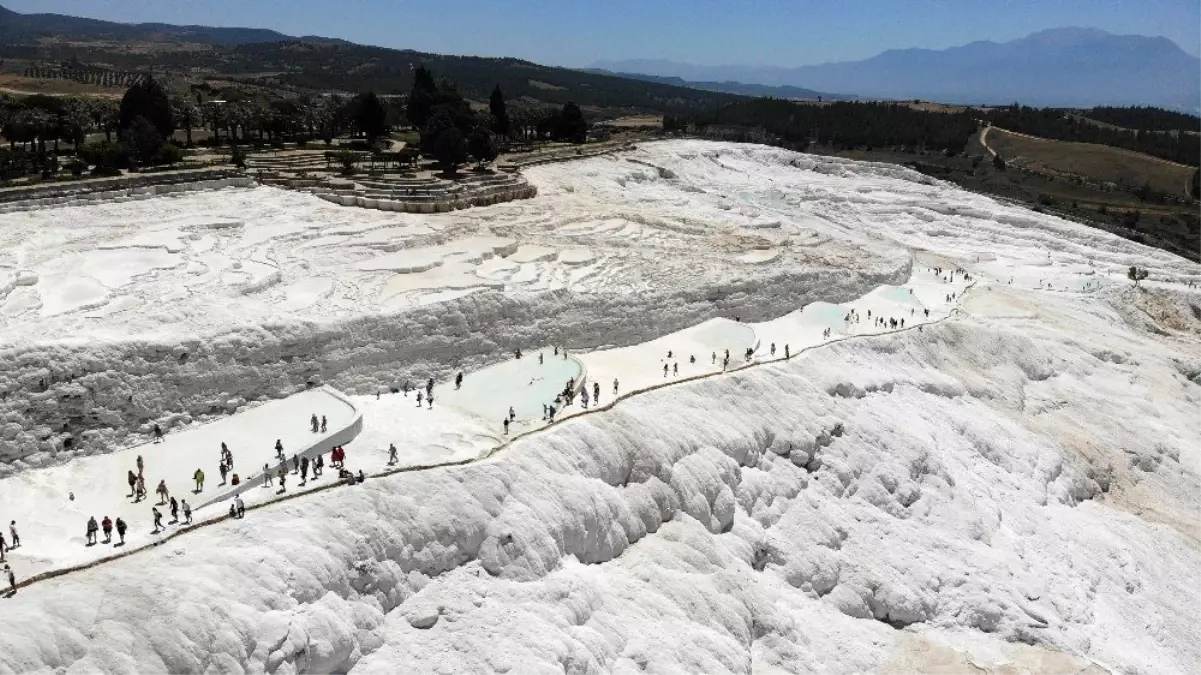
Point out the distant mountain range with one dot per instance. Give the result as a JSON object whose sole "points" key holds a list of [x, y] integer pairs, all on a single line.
{"points": [[17, 28], [740, 88], [1062, 67]]}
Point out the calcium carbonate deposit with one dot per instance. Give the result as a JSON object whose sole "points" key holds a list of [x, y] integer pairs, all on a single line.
{"points": [[840, 417]]}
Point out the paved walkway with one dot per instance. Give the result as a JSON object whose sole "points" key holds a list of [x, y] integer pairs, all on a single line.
{"points": [[462, 427]]}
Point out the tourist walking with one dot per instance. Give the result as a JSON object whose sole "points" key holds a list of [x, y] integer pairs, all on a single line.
{"points": [[107, 526], [319, 467], [12, 579], [266, 476], [121, 530], [615, 386], [3, 547], [158, 434], [279, 449], [140, 465], [198, 476], [392, 459], [141, 489], [324, 425], [459, 379], [505, 422], [241, 506], [304, 470], [313, 423], [224, 471], [93, 527], [162, 491], [158, 519], [187, 512], [16, 540], [174, 510], [133, 482]]}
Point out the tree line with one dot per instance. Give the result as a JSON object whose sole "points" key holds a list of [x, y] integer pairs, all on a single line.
{"points": [[85, 74], [843, 125], [451, 131], [140, 128], [1146, 118]]}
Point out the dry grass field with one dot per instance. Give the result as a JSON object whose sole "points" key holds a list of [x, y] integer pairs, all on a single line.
{"points": [[1100, 162], [17, 84]]}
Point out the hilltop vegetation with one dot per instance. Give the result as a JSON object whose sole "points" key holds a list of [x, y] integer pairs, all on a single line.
{"points": [[1145, 118], [843, 125]]}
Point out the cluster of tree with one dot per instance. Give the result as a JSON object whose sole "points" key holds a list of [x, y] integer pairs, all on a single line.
{"points": [[145, 122], [1057, 124], [844, 125], [34, 126], [673, 124], [147, 117], [142, 122], [1146, 118], [249, 116], [34, 121], [451, 131]]}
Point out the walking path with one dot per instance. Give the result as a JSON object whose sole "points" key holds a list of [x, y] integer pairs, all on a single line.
{"points": [[462, 426]]}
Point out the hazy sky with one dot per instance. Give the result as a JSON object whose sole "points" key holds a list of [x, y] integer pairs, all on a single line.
{"points": [[708, 32]]}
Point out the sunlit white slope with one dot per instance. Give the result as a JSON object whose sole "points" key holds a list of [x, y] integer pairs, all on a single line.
{"points": [[1015, 488]]}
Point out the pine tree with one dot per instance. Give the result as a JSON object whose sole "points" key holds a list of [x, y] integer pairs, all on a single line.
{"points": [[368, 115], [147, 99], [500, 116], [571, 124], [421, 97], [480, 145], [444, 142]]}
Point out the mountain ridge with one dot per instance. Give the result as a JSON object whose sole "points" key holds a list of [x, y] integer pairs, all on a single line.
{"points": [[1060, 67], [36, 43], [731, 87], [18, 28]]}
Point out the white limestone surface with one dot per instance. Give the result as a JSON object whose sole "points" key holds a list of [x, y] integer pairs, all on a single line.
{"points": [[1014, 488]]}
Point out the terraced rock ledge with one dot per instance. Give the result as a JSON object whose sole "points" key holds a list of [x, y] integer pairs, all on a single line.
{"points": [[422, 193]]}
